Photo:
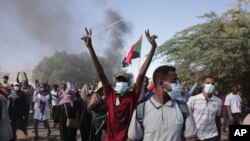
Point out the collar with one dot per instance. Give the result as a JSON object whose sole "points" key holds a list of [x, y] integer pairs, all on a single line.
{"points": [[158, 105], [212, 98]]}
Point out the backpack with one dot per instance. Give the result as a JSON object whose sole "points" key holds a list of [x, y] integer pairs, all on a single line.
{"points": [[182, 106]]}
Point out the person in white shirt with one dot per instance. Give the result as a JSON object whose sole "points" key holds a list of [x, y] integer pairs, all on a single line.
{"points": [[233, 103], [54, 103], [206, 108], [41, 109]]}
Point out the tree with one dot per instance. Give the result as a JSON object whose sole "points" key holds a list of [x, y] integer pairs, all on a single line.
{"points": [[63, 67], [219, 47]]}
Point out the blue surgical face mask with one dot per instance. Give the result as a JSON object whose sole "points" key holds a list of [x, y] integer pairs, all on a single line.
{"points": [[121, 88], [209, 88], [176, 90]]}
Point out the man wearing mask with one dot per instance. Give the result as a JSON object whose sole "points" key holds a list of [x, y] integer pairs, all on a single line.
{"points": [[5, 79], [41, 109], [233, 103], [17, 109], [206, 108], [121, 101], [163, 119], [145, 93]]}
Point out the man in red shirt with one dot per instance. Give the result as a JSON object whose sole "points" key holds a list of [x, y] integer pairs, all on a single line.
{"points": [[121, 101]]}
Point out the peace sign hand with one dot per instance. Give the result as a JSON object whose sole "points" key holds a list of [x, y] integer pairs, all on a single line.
{"points": [[151, 39], [87, 38]]}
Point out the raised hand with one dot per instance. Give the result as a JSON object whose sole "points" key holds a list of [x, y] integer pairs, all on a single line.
{"points": [[87, 38], [151, 39], [197, 76]]}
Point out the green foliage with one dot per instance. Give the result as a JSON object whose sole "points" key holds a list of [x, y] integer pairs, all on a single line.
{"points": [[219, 47], [63, 67]]}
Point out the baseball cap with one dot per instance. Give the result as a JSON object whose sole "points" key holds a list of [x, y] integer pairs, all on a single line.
{"points": [[122, 74]]}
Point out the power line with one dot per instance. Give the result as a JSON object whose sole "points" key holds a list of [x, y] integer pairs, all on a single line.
{"points": [[19, 42], [18, 47]]}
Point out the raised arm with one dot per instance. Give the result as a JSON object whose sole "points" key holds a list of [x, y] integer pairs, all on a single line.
{"points": [[147, 62], [99, 69], [26, 78], [17, 78]]}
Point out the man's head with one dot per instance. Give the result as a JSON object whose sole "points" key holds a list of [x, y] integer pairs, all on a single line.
{"points": [[184, 88], [208, 85], [17, 86], [63, 86], [145, 83], [55, 87], [24, 84], [42, 87], [5, 79], [6, 88], [121, 83], [234, 89], [165, 81]]}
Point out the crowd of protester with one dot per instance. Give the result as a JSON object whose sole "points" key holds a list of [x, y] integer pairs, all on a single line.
{"points": [[166, 110]]}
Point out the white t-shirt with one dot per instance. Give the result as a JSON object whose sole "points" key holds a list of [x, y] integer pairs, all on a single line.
{"points": [[234, 101], [55, 100]]}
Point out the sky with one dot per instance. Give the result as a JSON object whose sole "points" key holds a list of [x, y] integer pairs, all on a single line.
{"points": [[33, 29]]}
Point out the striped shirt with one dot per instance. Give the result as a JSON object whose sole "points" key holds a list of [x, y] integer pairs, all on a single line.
{"points": [[204, 112]]}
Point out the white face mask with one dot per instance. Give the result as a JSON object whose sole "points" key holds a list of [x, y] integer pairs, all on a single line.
{"points": [[209, 89], [16, 88], [89, 92], [41, 89], [121, 88], [176, 90]]}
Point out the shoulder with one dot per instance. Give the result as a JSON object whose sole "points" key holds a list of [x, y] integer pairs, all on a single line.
{"points": [[229, 95], [198, 96], [218, 99]]}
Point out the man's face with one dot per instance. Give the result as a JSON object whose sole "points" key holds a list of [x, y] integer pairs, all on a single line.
{"points": [[63, 87], [171, 78], [208, 81], [234, 90], [4, 80], [145, 83], [183, 89], [121, 79]]}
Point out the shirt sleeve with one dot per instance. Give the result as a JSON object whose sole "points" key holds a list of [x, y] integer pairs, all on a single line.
{"points": [[191, 91], [190, 103], [135, 131], [227, 101], [219, 110], [190, 126]]}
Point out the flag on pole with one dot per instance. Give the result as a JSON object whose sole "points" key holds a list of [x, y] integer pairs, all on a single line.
{"points": [[134, 52]]}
